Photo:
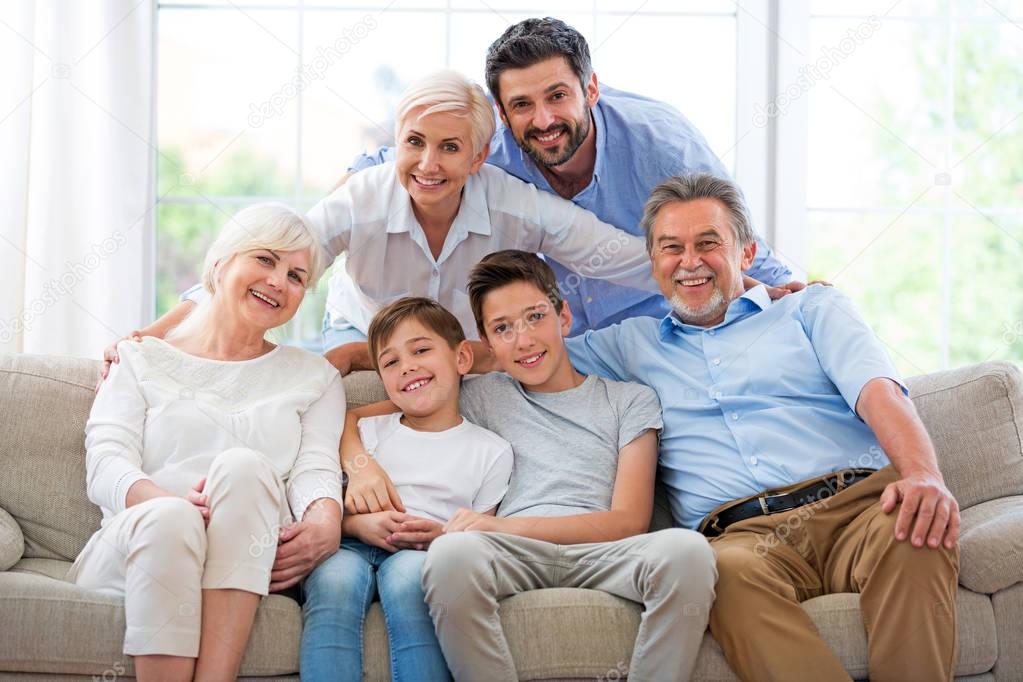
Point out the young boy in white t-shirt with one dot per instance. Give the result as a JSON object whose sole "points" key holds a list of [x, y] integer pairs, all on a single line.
{"points": [[438, 463]]}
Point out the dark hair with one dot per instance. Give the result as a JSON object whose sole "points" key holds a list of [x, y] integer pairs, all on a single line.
{"points": [[502, 268], [532, 41], [425, 311]]}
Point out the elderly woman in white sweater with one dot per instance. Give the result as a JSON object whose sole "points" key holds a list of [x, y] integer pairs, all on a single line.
{"points": [[203, 449]]}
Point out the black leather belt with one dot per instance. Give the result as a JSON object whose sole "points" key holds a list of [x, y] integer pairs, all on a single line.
{"points": [[781, 500]]}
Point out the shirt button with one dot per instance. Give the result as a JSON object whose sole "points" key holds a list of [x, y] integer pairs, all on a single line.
{"points": [[711, 332], [717, 394], [716, 361], [753, 460], [735, 416], [589, 299]]}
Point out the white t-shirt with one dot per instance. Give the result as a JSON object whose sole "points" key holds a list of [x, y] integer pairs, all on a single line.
{"points": [[163, 415], [438, 473]]}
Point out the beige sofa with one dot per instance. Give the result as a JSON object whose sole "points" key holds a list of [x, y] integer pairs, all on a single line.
{"points": [[50, 629]]}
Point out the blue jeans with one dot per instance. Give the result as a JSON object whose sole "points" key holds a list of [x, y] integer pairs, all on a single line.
{"points": [[337, 596]]}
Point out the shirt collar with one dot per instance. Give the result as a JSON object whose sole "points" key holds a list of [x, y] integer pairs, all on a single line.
{"points": [[600, 157], [400, 217], [752, 301], [473, 214]]}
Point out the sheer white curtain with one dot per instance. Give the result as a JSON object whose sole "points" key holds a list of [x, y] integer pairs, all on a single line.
{"points": [[76, 203]]}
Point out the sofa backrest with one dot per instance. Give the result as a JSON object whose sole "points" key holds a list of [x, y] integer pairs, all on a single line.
{"points": [[974, 415], [44, 402]]}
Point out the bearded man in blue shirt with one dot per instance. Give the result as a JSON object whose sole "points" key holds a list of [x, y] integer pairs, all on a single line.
{"points": [[601, 148], [790, 440]]}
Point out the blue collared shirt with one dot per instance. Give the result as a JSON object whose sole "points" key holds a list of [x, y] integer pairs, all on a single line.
{"points": [[765, 399], [640, 142]]}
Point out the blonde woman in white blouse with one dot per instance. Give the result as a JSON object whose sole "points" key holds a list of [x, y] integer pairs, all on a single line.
{"points": [[417, 225], [202, 450]]}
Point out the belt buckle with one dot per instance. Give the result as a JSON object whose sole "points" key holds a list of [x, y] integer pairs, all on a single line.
{"points": [[767, 512]]}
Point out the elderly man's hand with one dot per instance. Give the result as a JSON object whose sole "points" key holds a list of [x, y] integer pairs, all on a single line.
{"points": [[929, 512]]}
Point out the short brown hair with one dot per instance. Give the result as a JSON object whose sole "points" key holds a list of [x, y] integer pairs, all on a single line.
{"points": [[425, 311], [501, 268]]}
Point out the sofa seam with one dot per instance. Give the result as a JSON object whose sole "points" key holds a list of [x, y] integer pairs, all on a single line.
{"points": [[48, 378]]}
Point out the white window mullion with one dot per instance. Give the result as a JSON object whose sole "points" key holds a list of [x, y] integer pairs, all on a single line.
{"points": [[753, 76], [789, 127]]}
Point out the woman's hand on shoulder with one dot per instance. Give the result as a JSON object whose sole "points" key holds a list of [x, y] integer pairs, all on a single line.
{"points": [[111, 356]]}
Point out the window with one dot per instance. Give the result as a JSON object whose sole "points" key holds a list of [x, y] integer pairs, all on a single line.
{"points": [[262, 101], [914, 166]]}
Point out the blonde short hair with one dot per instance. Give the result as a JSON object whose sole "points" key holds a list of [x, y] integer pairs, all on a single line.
{"points": [[271, 226], [450, 91]]}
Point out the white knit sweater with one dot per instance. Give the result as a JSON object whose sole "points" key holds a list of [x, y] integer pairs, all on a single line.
{"points": [[163, 415]]}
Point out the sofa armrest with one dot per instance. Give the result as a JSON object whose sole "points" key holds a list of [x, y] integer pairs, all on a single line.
{"points": [[991, 545], [12, 542]]}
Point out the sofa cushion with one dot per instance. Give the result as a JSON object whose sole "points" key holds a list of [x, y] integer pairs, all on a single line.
{"points": [[991, 545], [570, 633], [1008, 608], [45, 402], [12, 542], [63, 628], [553, 633], [975, 417]]}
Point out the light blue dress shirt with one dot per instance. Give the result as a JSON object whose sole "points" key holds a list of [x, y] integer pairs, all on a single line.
{"points": [[764, 399], [640, 142]]}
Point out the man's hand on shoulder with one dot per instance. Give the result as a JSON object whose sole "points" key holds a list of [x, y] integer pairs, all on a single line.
{"points": [[929, 513]]}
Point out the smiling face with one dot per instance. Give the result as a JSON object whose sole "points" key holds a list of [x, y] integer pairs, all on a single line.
{"points": [[526, 334], [420, 371], [263, 288], [434, 157], [697, 261], [546, 109]]}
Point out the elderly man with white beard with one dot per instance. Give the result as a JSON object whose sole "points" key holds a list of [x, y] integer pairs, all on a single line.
{"points": [[769, 407]]}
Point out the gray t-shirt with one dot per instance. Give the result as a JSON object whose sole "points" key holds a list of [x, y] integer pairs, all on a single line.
{"points": [[566, 444]]}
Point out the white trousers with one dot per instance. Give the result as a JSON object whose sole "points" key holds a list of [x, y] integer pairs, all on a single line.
{"points": [[159, 557]]}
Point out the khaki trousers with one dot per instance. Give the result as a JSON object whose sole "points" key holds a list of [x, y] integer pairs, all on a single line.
{"points": [[670, 572], [159, 557], [845, 543]]}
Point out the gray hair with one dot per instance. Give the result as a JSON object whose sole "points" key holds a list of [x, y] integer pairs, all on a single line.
{"points": [[698, 186]]}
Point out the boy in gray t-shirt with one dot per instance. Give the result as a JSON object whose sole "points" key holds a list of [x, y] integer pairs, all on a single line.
{"points": [[579, 500]]}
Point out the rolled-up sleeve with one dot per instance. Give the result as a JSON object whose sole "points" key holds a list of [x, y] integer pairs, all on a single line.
{"points": [[600, 351], [363, 161], [847, 348], [113, 435], [196, 294], [317, 469]]}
